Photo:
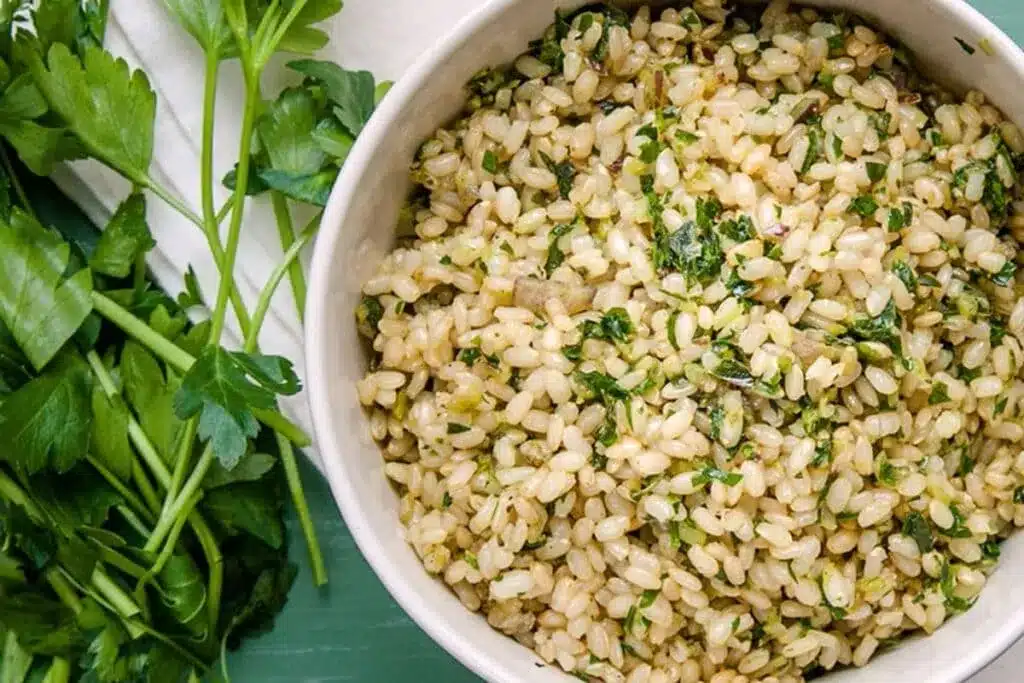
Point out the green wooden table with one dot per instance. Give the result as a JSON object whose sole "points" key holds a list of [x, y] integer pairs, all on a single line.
{"points": [[353, 630]]}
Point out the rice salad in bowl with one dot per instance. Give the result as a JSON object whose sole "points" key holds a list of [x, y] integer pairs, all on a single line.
{"points": [[698, 358]]}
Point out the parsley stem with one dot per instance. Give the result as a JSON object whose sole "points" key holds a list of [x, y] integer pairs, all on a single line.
{"points": [[266, 296], [119, 561], [294, 478], [206, 172], [286, 232], [224, 210], [208, 542], [59, 672], [291, 468], [235, 227], [182, 459], [172, 540], [133, 501], [180, 506], [114, 594], [169, 199], [64, 590], [211, 223], [143, 333], [181, 360], [19, 190]]}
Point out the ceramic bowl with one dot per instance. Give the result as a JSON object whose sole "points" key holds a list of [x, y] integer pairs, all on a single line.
{"points": [[358, 229]]}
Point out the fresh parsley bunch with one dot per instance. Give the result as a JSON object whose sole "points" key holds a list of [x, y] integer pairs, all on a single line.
{"points": [[143, 465]]}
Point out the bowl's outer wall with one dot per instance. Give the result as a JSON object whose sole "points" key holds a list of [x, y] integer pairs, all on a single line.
{"points": [[358, 229]]}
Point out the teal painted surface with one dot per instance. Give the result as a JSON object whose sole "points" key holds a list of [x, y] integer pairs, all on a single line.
{"points": [[354, 631]]}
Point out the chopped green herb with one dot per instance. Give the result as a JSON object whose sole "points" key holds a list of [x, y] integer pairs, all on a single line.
{"points": [[1005, 276], [648, 597], [887, 473], [815, 138], [738, 230], [456, 428], [564, 172], [649, 151], [958, 530], [490, 162], [990, 550], [691, 250], [573, 353], [939, 394], [884, 328], [966, 464], [712, 473], [648, 131], [446, 501], [916, 527], [368, 315], [555, 255], [964, 45], [864, 205], [671, 328], [947, 584], [614, 326], [881, 121], [822, 453], [906, 275], [1000, 405], [686, 137], [469, 356], [876, 171], [996, 332], [602, 387], [717, 418], [734, 373], [1018, 495]]}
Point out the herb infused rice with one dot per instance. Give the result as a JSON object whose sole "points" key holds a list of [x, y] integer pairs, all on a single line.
{"points": [[700, 359]]}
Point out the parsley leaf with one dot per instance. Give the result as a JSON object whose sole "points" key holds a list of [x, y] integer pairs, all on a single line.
{"points": [[126, 238], [46, 424], [351, 92], [40, 308], [297, 165], [108, 107], [223, 387]]}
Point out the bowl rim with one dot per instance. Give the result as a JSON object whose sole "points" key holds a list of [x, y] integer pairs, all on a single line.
{"points": [[345, 192]]}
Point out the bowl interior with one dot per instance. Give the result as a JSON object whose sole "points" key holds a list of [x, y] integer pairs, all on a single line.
{"points": [[358, 229]]}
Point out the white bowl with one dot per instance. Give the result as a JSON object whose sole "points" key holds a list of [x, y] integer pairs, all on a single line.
{"points": [[358, 229]]}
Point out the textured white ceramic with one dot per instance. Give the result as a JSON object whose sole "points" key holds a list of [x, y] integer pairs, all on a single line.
{"points": [[358, 229]]}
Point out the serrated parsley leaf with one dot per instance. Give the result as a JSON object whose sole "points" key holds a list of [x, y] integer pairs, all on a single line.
{"points": [[302, 38], [193, 294], [38, 147], [223, 387], [298, 165], [46, 424], [108, 107], [125, 238], [352, 92], [110, 434], [40, 308], [204, 20]]}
